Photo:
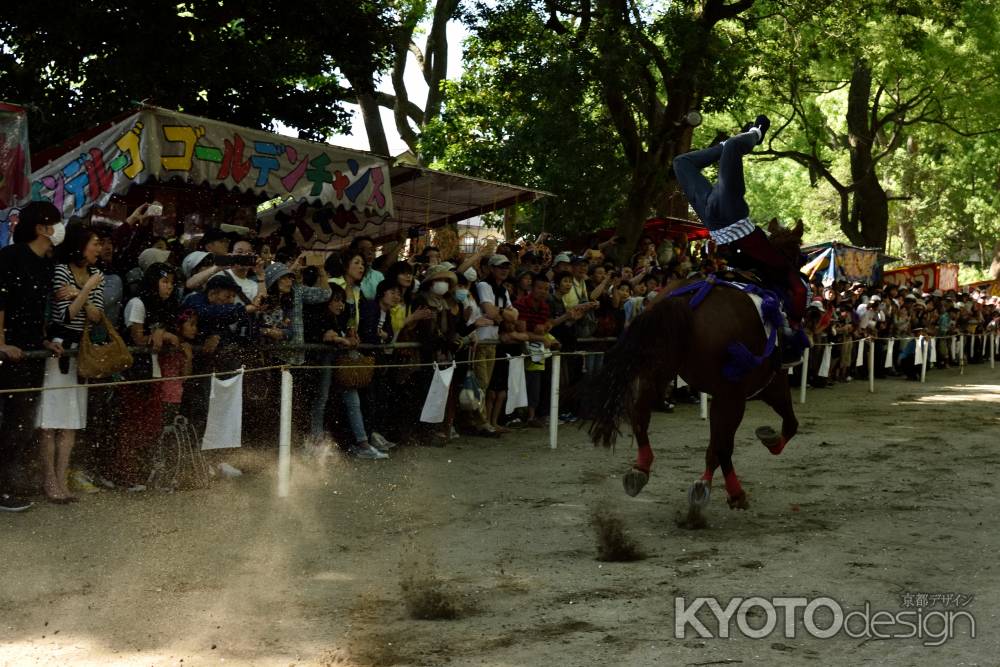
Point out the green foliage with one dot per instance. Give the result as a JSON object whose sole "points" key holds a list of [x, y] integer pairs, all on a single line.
{"points": [[932, 64], [588, 101], [247, 62], [530, 116]]}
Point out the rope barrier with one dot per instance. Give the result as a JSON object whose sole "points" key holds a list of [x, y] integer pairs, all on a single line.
{"points": [[281, 367]]}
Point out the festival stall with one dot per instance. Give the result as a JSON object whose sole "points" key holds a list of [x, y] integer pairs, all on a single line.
{"points": [[193, 165], [423, 199], [206, 173], [15, 166], [932, 276], [833, 261]]}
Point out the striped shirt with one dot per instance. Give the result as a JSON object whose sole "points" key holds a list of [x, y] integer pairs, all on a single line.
{"points": [[732, 232], [60, 308]]}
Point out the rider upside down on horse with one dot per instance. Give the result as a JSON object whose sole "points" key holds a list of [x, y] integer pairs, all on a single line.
{"points": [[708, 332], [724, 210]]}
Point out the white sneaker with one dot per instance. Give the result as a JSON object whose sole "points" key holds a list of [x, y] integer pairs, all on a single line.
{"points": [[453, 434], [367, 452], [137, 488], [380, 442]]}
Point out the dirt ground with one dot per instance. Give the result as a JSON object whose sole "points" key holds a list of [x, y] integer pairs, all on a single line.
{"points": [[879, 496]]}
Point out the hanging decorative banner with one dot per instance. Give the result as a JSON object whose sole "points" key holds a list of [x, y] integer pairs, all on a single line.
{"points": [[932, 276], [162, 144], [837, 261], [14, 167]]}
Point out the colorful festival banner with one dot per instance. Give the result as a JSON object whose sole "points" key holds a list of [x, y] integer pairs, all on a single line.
{"points": [[162, 144], [932, 276], [15, 166], [836, 261]]}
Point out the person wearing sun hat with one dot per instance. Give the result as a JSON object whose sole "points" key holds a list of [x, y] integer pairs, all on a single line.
{"points": [[283, 305]]}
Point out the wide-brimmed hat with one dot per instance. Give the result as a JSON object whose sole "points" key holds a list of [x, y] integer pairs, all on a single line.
{"points": [[439, 272], [191, 262], [151, 256], [275, 272]]}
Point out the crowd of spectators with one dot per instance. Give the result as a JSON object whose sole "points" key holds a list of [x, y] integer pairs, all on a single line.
{"points": [[843, 314], [222, 301]]}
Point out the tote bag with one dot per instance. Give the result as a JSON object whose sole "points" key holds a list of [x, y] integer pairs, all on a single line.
{"points": [[437, 395]]}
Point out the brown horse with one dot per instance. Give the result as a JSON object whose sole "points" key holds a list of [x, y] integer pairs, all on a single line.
{"points": [[673, 339]]}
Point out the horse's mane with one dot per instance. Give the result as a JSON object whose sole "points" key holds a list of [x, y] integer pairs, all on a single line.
{"points": [[786, 240]]}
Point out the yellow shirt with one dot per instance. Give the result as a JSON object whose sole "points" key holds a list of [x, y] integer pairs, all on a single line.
{"points": [[576, 295]]}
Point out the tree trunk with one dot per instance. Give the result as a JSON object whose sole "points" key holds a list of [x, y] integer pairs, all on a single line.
{"points": [[377, 143], [509, 223], [909, 236], [868, 222], [638, 205]]}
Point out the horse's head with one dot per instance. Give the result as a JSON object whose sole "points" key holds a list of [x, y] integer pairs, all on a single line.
{"points": [[786, 240]]}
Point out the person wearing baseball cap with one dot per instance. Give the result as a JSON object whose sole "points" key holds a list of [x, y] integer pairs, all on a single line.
{"points": [[493, 298], [26, 276], [216, 241]]}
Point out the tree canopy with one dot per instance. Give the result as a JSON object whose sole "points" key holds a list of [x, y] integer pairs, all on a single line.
{"points": [[250, 62], [872, 104]]}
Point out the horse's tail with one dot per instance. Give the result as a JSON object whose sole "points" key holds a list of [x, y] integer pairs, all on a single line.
{"points": [[649, 352]]}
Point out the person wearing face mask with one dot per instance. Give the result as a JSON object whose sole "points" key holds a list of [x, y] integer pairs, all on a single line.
{"points": [[438, 333], [26, 272]]}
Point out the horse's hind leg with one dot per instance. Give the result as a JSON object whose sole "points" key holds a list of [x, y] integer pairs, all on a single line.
{"points": [[779, 397], [636, 478], [725, 415]]}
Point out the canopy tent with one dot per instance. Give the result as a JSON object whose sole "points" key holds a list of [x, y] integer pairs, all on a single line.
{"points": [[834, 261], [659, 229], [163, 145], [422, 198], [932, 276]]}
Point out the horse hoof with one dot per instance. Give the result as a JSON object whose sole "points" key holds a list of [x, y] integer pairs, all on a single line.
{"points": [[634, 480], [738, 502], [768, 436], [699, 494]]}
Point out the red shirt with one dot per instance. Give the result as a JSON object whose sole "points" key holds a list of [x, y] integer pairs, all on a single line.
{"points": [[533, 312]]}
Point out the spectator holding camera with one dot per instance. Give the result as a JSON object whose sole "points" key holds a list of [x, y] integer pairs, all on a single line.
{"points": [[77, 297], [285, 301], [244, 263]]}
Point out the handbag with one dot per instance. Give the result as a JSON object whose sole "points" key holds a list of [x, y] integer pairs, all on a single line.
{"points": [[95, 362], [470, 398], [586, 325], [355, 370]]}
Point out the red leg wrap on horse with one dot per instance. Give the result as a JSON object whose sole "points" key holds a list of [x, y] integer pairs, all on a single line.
{"points": [[644, 459], [776, 449], [707, 475], [733, 487]]}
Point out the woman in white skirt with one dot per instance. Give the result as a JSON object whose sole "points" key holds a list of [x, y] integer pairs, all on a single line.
{"points": [[77, 295]]}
